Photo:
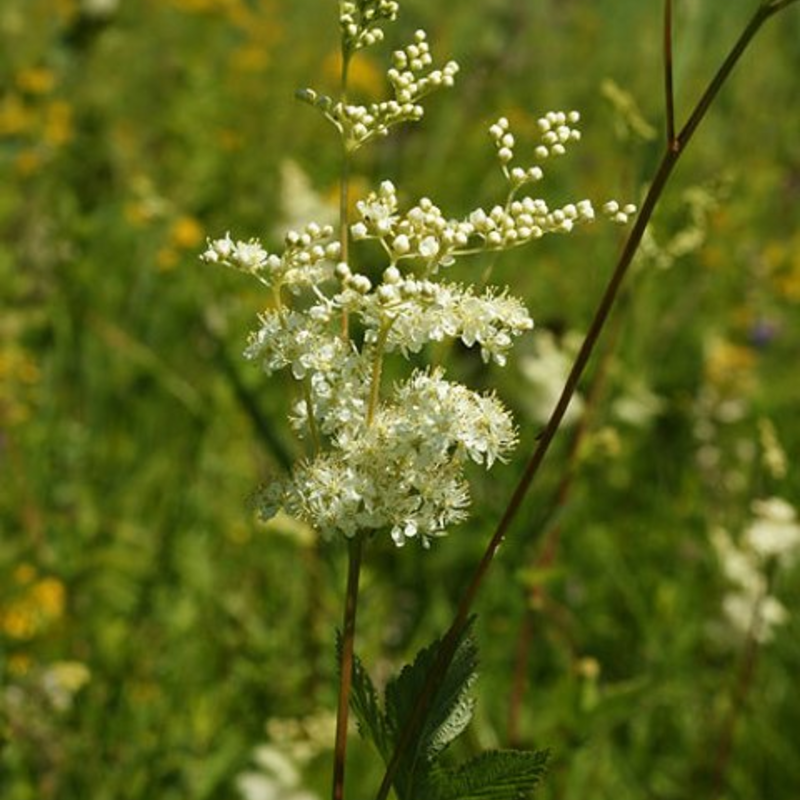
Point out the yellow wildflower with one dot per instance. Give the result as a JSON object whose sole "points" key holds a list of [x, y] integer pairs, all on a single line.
{"points": [[36, 80], [186, 233], [729, 365], [15, 117], [58, 127], [28, 162]]}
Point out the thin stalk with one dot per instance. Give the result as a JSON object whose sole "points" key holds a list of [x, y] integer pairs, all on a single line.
{"points": [[660, 180], [344, 185], [355, 547], [312, 420], [344, 206], [377, 369], [552, 540], [669, 95]]}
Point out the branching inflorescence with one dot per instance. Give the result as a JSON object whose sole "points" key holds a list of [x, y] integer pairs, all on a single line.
{"points": [[392, 458]]}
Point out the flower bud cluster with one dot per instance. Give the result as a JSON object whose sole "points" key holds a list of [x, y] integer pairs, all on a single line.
{"points": [[359, 20], [359, 124], [423, 232], [617, 213], [527, 219], [307, 259], [556, 132], [408, 64]]}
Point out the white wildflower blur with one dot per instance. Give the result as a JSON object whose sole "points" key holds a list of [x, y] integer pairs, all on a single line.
{"points": [[300, 201], [276, 778], [545, 370], [774, 531], [638, 405], [392, 459], [770, 540], [276, 773]]}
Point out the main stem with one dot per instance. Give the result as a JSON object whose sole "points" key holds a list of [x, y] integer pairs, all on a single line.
{"points": [[665, 167], [355, 547], [344, 184]]}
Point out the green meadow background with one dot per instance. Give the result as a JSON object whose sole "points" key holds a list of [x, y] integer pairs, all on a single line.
{"points": [[153, 634]]}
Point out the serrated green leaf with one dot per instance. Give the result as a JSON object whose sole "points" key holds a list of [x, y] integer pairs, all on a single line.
{"points": [[366, 707], [493, 775], [449, 712]]}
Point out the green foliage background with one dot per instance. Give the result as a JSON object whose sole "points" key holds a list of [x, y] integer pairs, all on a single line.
{"points": [[131, 431]]}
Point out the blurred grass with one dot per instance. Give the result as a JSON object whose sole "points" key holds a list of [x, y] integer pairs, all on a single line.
{"points": [[131, 432]]}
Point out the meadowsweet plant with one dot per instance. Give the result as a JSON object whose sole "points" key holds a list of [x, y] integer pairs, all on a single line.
{"points": [[387, 461]]}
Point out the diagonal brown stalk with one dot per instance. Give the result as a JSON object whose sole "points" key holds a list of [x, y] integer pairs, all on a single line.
{"points": [[536, 595], [668, 161]]}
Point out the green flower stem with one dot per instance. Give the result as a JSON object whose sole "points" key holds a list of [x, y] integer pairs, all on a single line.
{"points": [[668, 161], [344, 183], [355, 547], [377, 368], [312, 422]]}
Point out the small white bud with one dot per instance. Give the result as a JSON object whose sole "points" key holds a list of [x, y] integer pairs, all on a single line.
{"points": [[401, 245], [429, 247], [342, 271], [359, 230], [391, 275], [387, 294]]}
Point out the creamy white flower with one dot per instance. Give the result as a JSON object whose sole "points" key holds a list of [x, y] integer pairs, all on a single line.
{"points": [[546, 369], [775, 531], [392, 459], [748, 615]]}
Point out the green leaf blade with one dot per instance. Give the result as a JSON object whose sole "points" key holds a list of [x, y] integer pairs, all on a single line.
{"points": [[493, 775]]}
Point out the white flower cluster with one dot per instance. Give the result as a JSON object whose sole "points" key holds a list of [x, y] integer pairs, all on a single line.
{"points": [[413, 312], [306, 261], [772, 539], [393, 459], [359, 124], [404, 471]]}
